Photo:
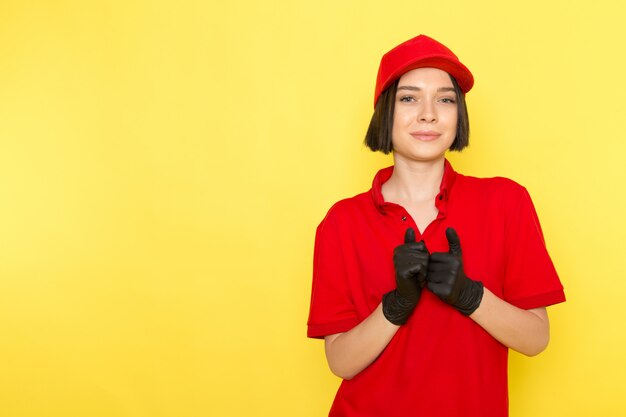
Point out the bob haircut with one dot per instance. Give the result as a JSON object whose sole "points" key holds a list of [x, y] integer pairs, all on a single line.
{"points": [[379, 132]]}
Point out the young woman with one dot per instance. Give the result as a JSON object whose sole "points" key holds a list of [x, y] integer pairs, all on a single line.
{"points": [[423, 283]]}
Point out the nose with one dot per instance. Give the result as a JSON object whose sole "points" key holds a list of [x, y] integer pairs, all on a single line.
{"points": [[427, 112]]}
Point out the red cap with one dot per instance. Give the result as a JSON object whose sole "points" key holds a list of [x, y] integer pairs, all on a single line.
{"points": [[420, 52]]}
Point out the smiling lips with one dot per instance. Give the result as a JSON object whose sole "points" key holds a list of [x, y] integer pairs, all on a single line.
{"points": [[425, 135]]}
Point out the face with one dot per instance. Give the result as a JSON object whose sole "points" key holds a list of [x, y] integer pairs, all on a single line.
{"points": [[425, 115]]}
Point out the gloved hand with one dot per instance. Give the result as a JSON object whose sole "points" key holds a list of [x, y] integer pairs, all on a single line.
{"points": [[447, 280], [411, 263]]}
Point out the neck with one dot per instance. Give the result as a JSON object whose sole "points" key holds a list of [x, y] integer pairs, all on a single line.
{"points": [[414, 181]]}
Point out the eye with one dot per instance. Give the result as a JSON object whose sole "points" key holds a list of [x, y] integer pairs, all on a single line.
{"points": [[407, 99], [448, 100]]}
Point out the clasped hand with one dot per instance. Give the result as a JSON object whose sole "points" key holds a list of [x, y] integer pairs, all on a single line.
{"points": [[441, 272]]}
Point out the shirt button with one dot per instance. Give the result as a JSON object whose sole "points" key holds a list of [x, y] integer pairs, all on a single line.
{"points": [[403, 218]]}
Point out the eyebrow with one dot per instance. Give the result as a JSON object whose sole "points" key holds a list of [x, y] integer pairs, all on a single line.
{"points": [[413, 88]]}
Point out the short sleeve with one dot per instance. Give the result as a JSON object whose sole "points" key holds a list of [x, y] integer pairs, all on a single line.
{"points": [[332, 308], [531, 281]]}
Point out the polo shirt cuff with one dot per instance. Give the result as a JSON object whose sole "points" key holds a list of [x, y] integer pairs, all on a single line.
{"points": [[318, 331], [541, 300]]}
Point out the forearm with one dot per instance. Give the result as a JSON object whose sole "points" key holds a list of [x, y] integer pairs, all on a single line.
{"points": [[526, 331], [350, 352]]}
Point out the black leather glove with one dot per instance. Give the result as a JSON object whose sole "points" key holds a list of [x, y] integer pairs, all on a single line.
{"points": [[447, 280], [411, 263]]}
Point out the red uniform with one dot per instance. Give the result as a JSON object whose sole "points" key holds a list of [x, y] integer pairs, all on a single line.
{"points": [[441, 363]]}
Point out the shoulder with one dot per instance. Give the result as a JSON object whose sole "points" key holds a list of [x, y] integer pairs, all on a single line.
{"points": [[341, 218], [493, 187], [345, 209], [494, 184]]}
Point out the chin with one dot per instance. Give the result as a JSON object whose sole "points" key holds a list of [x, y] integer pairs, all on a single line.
{"points": [[419, 156]]}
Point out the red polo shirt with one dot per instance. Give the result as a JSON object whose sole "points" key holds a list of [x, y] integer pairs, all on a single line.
{"points": [[440, 363]]}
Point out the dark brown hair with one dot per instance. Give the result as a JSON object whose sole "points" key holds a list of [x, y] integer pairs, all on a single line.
{"points": [[378, 136]]}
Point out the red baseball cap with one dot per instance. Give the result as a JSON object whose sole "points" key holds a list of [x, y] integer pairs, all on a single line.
{"points": [[420, 52]]}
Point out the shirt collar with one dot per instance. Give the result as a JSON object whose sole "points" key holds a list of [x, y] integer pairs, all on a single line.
{"points": [[449, 175]]}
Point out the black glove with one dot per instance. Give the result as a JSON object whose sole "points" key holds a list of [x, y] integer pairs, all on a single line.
{"points": [[411, 263], [447, 280]]}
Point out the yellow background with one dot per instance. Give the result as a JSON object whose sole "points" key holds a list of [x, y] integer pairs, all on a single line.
{"points": [[163, 166]]}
